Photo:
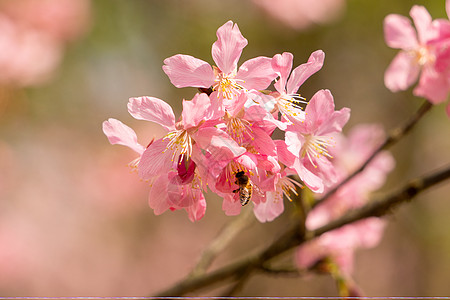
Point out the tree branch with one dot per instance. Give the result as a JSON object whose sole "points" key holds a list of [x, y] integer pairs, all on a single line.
{"points": [[294, 236], [393, 137]]}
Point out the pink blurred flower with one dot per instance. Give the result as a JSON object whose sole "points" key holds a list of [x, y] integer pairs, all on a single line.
{"points": [[302, 14], [341, 243], [33, 35], [63, 20], [423, 55], [226, 79]]}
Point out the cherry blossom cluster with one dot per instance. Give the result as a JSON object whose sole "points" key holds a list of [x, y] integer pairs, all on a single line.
{"points": [[425, 54], [226, 130]]}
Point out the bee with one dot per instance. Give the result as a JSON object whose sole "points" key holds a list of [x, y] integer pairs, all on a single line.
{"points": [[245, 187]]}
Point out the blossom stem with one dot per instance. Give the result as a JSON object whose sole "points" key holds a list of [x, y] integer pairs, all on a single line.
{"points": [[295, 236], [393, 137], [223, 238]]}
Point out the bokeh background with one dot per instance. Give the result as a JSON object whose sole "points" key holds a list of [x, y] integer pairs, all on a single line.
{"points": [[74, 219]]}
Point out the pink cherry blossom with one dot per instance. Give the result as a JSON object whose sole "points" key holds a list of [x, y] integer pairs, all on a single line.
{"points": [[256, 73], [422, 55], [279, 185], [309, 140], [287, 101]]}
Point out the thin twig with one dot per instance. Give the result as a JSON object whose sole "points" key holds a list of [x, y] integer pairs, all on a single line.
{"points": [[293, 237], [226, 234], [392, 138]]}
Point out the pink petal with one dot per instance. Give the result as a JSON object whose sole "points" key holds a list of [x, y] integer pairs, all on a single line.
{"points": [[218, 143], [335, 122], [319, 109], [294, 140], [197, 211], [263, 143], [447, 8], [230, 206], [269, 210], [402, 72], [155, 160], [432, 86], [157, 199], [227, 50], [399, 33], [304, 71], [153, 110], [370, 231], [196, 110], [256, 73], [284, 155], [422, 21], [314, 182], [119, 133], [185, 71], [248, 160], [282, 64]]}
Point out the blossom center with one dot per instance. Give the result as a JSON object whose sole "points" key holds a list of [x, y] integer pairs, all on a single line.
{"points": [[315, 146], [291, 105], [287, 185], [237, 128], [226, 85], [180, 142], [423, 55]]}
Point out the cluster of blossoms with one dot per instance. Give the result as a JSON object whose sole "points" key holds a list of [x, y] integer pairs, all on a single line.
{"points": [[424, 54], [223, 139]]}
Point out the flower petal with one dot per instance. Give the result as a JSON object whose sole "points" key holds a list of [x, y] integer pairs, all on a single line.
{"points": [[304, 71], [432, 86], [399, 33], [185, 70], [319, 109], [197, 210], [196, 110], [227, 50], [218, 143], [230, 206], [422, 20], [314, 182], [269, 210], [282, 65], [119, 133], [157, 198], [153, 110], [155, 160], [256, 73], [402, 72]]}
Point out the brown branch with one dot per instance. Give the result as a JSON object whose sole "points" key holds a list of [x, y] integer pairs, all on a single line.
{"points": [[295, 236], [394, 136]]}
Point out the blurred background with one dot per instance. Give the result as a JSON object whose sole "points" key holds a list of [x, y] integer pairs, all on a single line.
{"points": [[74, 219]]}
